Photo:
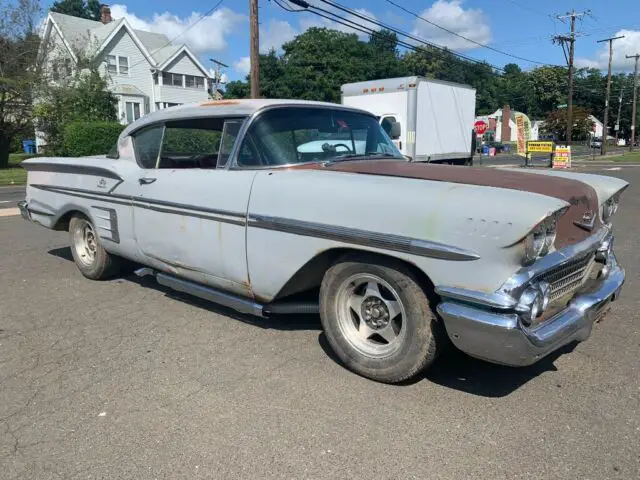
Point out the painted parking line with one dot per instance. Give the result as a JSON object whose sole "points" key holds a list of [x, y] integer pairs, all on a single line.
{"points": [[9, 212]]}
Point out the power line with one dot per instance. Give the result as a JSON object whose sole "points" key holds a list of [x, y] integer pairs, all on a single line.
{"points": [[488, 47], [333, 16], [525, 7]]}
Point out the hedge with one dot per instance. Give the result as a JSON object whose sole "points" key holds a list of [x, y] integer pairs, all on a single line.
{"points": [[90, 138]]}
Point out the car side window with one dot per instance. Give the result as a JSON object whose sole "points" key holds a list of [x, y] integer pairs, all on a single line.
{"points": [[147, 146]]}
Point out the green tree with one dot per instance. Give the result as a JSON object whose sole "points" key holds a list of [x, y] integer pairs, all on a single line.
{"points": [[89, 9], [556, 123], [21, 71], [84, 97], [237, 89]]}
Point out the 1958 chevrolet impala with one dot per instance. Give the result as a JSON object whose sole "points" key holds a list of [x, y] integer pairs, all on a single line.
{"points": [[253, 203]]}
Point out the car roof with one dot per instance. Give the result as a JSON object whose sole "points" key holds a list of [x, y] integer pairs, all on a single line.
{"points": [[223, 108]]}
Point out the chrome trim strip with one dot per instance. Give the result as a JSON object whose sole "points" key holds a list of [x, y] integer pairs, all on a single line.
{"points": [[70, 168], [492, 300], [365, 238], [237, 218]]}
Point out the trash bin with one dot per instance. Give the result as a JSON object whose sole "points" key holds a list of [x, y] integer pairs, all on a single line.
{"points": [[485, 150], [507, 149], [29, 146]]}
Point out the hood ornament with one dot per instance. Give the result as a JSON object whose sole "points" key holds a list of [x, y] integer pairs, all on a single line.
{"points": [[588, 220]]}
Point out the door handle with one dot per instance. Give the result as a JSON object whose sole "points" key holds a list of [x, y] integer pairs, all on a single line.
{"points": [[146, 180]]}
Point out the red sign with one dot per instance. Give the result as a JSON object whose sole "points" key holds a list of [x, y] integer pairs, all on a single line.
{"points": [[480, 127]]}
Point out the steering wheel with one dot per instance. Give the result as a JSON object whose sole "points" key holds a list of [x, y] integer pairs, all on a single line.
{"points": [[327, 147]]}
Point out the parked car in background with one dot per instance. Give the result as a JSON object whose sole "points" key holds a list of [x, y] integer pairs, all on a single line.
{"points": [[596, 142], [259, 204]]}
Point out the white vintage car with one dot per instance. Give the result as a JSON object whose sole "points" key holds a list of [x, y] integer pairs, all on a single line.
{"points": [[273, 207]]}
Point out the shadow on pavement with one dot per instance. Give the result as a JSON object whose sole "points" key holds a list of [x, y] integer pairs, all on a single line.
{"points": [[458, 371], [453, 369]]}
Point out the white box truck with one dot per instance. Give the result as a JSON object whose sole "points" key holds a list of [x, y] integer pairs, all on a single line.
{"points": [[428, 120]]}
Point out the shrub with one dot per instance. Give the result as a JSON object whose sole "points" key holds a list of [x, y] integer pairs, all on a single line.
{"points": [[90, 138]]}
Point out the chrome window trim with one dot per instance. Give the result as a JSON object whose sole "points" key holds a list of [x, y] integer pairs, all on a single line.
{"points": [[232, 164]]}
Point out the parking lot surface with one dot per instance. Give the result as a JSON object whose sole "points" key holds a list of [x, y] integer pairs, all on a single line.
{"points": [[123, 379]]}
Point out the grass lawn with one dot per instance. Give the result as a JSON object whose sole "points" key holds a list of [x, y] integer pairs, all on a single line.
{"points": [[633, 157], [15, 174]]}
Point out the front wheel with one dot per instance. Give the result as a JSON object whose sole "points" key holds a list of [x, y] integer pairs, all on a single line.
{"points": [[378, 320], [91, 258]]}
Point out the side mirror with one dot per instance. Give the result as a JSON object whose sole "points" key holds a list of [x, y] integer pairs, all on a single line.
{"points": [[396, 130]]}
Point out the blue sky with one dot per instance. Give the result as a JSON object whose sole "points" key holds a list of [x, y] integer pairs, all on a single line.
{"points": [[519, 27]]}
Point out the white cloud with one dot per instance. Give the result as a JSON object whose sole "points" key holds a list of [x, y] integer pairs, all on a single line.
{"points": [[275, 34], [450, 14], [209, 34], [629, 45], [243, 65]]}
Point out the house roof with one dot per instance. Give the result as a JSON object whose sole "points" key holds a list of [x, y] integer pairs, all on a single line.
{"points": [[223, 108], [81, 34]]}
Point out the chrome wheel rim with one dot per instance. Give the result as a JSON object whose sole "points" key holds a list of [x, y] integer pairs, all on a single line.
{"points": [[371, 316], [85, 243]]}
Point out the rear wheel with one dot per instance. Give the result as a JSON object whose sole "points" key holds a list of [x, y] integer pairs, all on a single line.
{"points": [[378, 320], [91, 258]]}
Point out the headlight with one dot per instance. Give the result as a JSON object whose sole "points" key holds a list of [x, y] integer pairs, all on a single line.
{"points": [[539, 241], [533, 302], [610, 208]]}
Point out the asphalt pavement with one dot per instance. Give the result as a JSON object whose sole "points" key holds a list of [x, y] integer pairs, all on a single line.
{"points": [[10, 196], [122, 379]]}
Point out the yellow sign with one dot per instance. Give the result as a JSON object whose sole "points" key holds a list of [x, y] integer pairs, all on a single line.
{"points": [[540, 147], [562, 157], [522, 142]]}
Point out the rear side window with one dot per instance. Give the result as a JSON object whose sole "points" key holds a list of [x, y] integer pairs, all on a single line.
{"points": [[147, 146]]}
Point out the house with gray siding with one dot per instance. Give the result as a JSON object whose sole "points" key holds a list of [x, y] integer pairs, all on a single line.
{"points": [[145, 70]]}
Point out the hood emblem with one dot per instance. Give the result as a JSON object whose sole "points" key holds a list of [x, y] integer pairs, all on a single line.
{"points": [[588, 220]]}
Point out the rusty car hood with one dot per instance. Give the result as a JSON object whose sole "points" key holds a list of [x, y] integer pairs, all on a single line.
{"points": [[581, 197]]}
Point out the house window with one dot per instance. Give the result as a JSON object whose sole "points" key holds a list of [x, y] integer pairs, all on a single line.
{"points": [[173, 79], [133, 111], [123, 65], [112, 66], [67, 67], [194, 82]]}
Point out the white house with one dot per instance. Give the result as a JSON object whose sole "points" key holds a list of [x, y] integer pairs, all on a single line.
{"points": [[144, 70]]}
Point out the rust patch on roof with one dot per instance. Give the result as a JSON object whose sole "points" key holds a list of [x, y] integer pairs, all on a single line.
{"points": [[217, 103]]}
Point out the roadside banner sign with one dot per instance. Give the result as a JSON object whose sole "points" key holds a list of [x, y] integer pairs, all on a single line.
{"points": [[522, 144], [540, 147], [562, 157]]}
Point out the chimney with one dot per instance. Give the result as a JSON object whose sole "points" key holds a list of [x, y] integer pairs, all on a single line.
{"points": [[105, 14], [505, 133]]}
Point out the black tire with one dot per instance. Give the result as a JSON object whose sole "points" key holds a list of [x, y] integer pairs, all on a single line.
{"points": [[99, 266], [418, 347]]}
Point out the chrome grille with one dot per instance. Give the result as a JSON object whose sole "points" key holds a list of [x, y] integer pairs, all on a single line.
{"points": [[567, 278]]}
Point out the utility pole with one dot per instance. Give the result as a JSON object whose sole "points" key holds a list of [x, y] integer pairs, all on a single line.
{"points": [[216, 74], [635, 92], [255, 52], [605, 133], [564, 41], [617, 127]]}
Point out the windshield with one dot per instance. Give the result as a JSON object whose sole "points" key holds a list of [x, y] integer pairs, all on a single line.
{"points": [[289, 135]]}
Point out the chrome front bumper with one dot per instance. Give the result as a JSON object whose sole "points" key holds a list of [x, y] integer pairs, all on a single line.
{"points": [[500, 337]]}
